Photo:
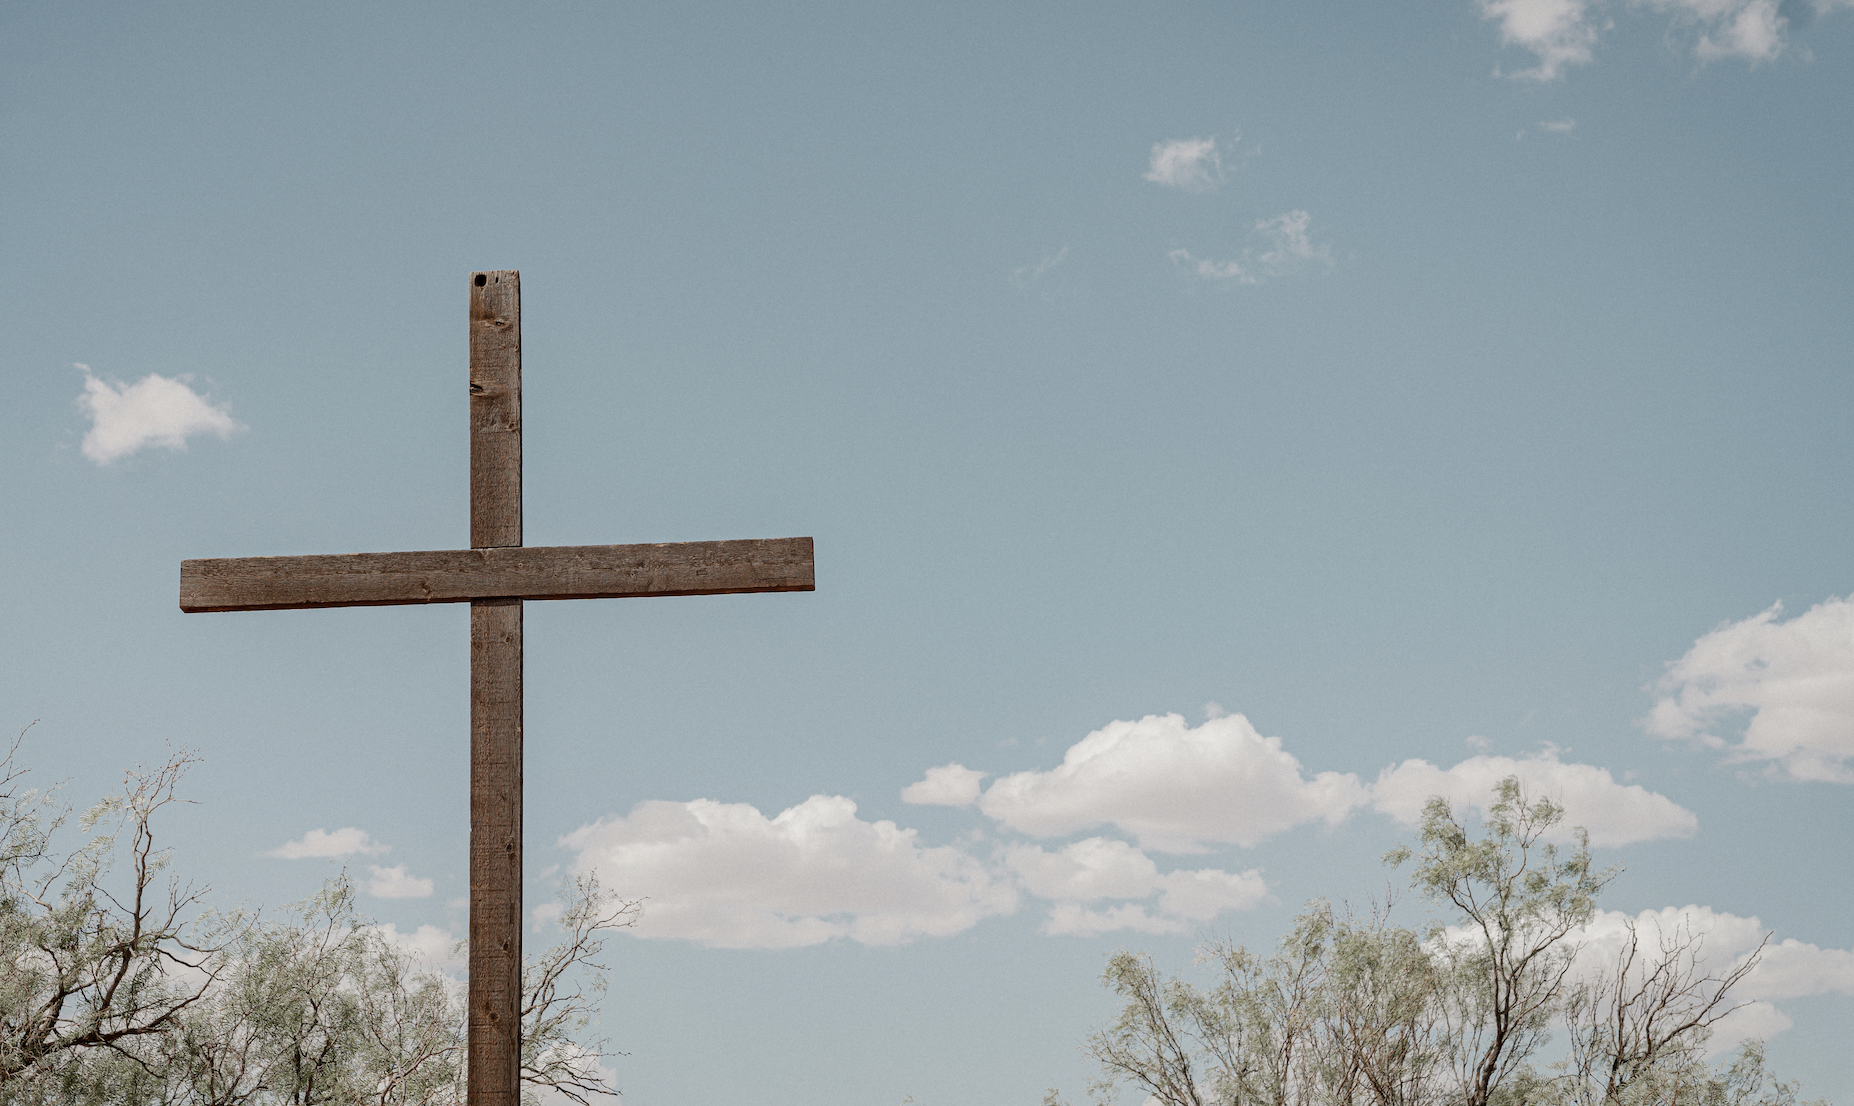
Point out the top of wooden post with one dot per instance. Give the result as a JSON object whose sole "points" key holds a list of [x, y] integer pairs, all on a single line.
{"points": [[495, 409]]}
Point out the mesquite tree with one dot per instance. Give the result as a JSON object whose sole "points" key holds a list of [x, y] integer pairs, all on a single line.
{"points": [[120, 987], [1489, 1005]]}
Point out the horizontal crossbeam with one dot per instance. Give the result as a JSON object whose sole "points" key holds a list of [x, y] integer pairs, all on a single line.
{"points": [[460, 575]]}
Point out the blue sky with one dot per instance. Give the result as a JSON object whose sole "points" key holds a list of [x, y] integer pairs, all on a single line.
{"points": [[1221, 426]]}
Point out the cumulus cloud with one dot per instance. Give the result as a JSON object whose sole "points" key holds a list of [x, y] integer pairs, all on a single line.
{"points": [[1174, 788], [154, 411], [724, 874], [1713, 942], [1786, 969], [728, 875], [396, 883], [1098, 870], [1613, 813], [1192, 164], [947, 785], [1794, 969], [318, 843], [432, 948], [1288, 247], [1791, 684]]}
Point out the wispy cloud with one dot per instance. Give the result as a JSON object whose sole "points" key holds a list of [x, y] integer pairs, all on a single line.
{"points": [[396, 883], [154, 411], [1789, 685], [1560, 34], [1754, 30], [1029, 274], [1288, 247], [1565, 127], [1212, 270], [318, 843], [1193, 164]]}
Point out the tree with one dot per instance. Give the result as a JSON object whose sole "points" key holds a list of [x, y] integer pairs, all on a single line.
{"points": [[1516, 901], [88, 973], [1340, 1013], [121, 989], [1354, 1010]]}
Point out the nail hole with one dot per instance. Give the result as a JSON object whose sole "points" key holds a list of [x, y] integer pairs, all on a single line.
{"points": [[481, 280]]}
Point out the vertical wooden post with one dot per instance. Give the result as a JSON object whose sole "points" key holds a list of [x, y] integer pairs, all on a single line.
{"points": [[495, 697]]}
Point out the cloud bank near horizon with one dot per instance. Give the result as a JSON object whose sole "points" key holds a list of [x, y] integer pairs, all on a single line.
{"points": [[728, 875]]}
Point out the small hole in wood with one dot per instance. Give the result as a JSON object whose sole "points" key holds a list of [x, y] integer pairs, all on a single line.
{"points": [[481, 280]]}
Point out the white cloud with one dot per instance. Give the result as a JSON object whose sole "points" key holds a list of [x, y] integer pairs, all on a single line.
{"points": [[1175, 788], [1787, 969], [154, 411], [1212, 270], [1748, 29], [1758, 1019], [1614, 813], [1794, 679], [1793, 969], [1192, 164], [947, 785], [317, 843], [1559, 33], [1290, 248], [724, 874], [1029, 274], [1563, 33], [1098, 869], [434, 949], [396, 883]]}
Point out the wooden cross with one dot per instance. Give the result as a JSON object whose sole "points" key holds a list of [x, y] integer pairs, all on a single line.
{"points": [[494, 576]]}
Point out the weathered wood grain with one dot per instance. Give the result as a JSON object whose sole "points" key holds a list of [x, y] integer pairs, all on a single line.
{"points": [[462, 575], [495, 576], [494, 997], [495, 408]]}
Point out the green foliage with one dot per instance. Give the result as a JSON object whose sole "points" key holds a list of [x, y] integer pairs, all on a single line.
{"points": [[1353, 1011], [144, 998], [1339, 1013]]}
